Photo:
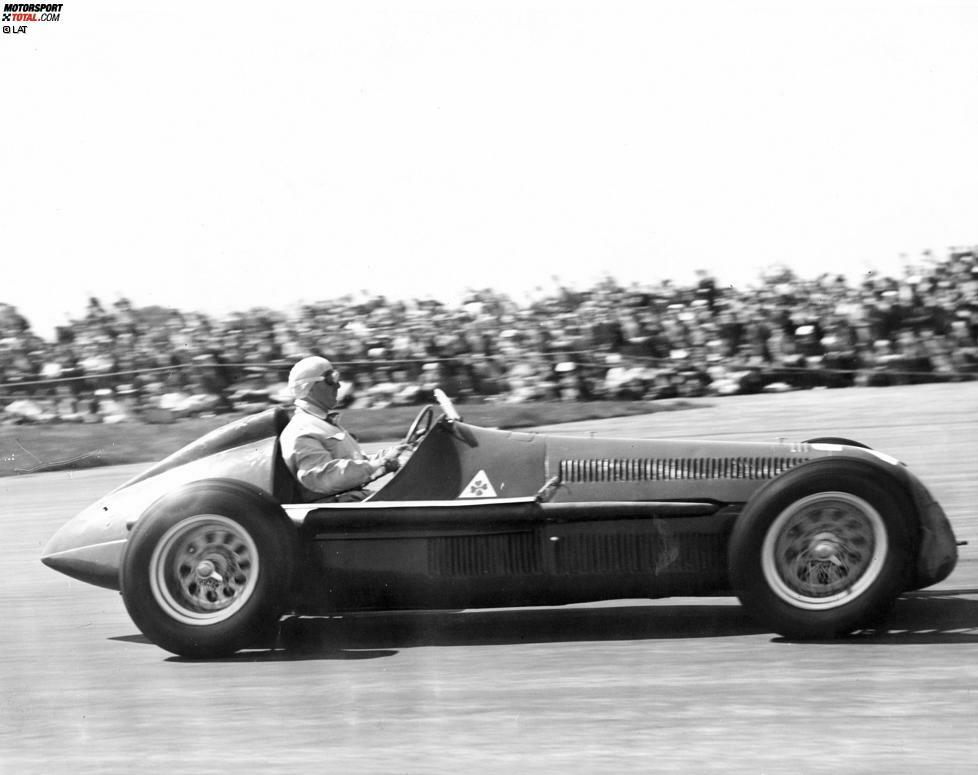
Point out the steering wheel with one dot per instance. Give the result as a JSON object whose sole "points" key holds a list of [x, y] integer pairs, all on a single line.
{"points": [[420, 426]]}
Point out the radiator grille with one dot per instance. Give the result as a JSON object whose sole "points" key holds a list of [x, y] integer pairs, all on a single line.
{"points": [[493, 555], [653, 469]]}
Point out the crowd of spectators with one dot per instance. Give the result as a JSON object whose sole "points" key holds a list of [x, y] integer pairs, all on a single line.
{"points": [[612, 341]]}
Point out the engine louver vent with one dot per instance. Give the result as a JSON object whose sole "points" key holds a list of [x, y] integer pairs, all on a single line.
{"points": [[622, 553], [641, 553], [494, 555], [651, 469]]}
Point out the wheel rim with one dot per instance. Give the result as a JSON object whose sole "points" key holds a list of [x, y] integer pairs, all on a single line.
{"points": [[204, 569], [825, 550]]}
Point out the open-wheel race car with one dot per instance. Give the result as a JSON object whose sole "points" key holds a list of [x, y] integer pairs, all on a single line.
{"points": [[210, 547]]}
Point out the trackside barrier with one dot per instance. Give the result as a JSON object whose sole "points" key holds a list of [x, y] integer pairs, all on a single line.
{"points": [[583, 359]]}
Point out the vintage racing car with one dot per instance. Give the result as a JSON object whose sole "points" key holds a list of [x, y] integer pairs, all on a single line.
{"points": [[210, 547]]}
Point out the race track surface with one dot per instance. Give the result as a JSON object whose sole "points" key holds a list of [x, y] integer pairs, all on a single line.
{"points": [[679, 685]]}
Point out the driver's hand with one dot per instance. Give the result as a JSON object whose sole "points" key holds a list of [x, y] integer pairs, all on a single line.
{"points": [[392, 458]]}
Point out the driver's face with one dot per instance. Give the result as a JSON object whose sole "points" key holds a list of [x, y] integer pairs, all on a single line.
{"points": [[325, 389]]}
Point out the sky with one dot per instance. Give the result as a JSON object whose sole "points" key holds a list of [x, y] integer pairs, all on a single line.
{"points": [[218, 156]]}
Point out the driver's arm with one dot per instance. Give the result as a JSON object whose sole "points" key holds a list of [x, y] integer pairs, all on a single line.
{"points": [[323, 471]]}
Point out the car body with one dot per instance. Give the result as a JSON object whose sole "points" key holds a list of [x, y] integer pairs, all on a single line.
{"points": [[210, 547]]}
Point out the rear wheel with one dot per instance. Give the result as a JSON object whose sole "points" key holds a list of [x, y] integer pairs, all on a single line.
{"points": [[822, 550], [206, 570]]}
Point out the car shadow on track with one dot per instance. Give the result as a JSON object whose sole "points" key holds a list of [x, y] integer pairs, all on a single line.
{"points": [[946, 617], [942, 617], [380, 634], [516, 626]]}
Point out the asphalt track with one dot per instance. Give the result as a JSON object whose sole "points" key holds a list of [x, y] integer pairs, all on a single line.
{"points": [[680, 685]]}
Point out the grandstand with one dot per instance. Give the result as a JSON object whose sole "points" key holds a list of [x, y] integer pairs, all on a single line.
{"points": [[119, 362]]}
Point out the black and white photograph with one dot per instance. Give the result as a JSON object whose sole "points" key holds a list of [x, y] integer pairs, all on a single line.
{"points": [[497, 387]]}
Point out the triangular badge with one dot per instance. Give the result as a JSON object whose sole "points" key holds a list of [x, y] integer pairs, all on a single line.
{"points": [[479, 487]]}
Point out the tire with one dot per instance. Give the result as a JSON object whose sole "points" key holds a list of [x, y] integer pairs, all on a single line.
{"points": [[207, 569], [822, 550]]}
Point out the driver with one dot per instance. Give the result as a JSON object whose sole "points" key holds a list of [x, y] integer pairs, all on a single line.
{"points": [[321, 454]]}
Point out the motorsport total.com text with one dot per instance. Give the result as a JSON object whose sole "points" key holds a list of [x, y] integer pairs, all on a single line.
{"points": [[31, 12]]}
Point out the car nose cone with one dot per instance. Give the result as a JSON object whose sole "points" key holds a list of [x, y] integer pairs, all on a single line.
{"points": [[89, 547]]}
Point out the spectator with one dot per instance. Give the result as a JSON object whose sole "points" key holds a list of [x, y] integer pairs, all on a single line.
{"points": [[668, 340]]}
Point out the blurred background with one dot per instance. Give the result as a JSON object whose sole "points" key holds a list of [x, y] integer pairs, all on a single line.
{"points": [[116, 362], [518, 201]]}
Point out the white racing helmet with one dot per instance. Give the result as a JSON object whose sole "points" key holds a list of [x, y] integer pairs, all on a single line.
{"points": [[305, 374]]}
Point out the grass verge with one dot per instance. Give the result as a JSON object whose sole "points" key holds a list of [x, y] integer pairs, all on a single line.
{"points": [[34, 448]]}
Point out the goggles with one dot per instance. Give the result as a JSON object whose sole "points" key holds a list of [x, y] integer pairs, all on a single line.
{"points": [[331, 377]]}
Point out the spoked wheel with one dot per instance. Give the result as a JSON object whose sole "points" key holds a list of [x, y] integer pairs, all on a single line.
{"points": [[822, 550], [207, 569], [204, 569]]}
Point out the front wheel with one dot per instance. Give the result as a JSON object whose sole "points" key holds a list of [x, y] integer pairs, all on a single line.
{"points": [[822, 550], [206, 570]]}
